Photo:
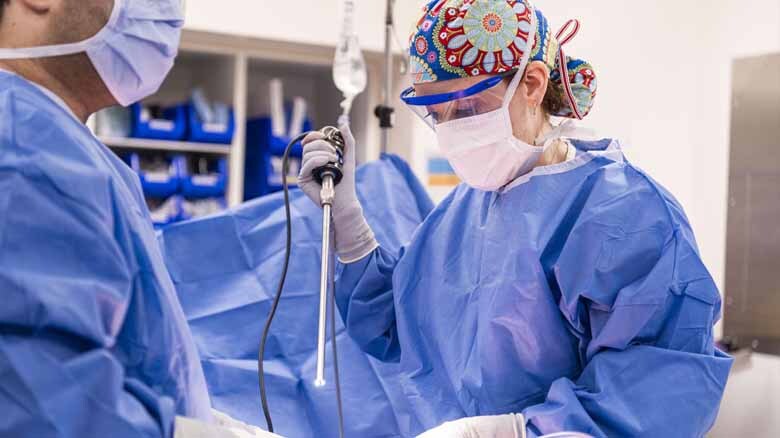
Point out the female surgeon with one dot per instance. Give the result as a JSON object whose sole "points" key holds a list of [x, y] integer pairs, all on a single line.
{"points": [[559, 288]]}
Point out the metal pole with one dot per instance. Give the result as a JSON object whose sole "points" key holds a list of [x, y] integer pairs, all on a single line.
{"points": [[388, 86], [327, 195]]}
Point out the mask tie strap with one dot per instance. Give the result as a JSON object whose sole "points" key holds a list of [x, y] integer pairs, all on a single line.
{"points": [[564, 36], [524, 61]]}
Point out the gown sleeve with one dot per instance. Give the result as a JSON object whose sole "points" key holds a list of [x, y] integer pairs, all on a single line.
{"points": [[633, 289], [364, 289], [364, 295], [66, 286]]}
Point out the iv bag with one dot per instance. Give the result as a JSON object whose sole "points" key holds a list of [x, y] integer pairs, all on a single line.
{"points": [[349, 67]]}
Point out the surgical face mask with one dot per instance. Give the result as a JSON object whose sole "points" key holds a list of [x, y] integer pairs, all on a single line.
{"points": [[483, 150], [133, 53]]}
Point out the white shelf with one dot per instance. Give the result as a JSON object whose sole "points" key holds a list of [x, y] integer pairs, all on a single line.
{"points": [[235, 69], [165, 145]]}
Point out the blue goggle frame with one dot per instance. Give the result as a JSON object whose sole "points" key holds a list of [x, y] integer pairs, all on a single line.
{"points": [[409, 97]]}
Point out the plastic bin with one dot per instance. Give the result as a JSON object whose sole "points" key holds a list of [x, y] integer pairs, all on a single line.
{"points": [[203, 176], [172, 125], [264, 151], [164, 211], [160, 173], [197, 131]]}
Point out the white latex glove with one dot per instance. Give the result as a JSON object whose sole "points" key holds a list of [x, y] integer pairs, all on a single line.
{"points": [[353, 237], [499, 426], [223, 427]]}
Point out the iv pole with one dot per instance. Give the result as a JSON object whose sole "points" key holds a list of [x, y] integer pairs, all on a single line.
{"points": [[385, 111]]}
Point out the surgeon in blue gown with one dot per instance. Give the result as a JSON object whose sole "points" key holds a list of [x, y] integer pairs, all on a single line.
{"points": [[560, 288], [93, 340]]}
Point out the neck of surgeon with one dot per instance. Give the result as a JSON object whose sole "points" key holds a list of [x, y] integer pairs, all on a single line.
{"points": [[81, 103], [72, 78]]}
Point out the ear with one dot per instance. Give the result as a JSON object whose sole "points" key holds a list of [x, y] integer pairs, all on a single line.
{"points": [[39, 7], [534, 85]]}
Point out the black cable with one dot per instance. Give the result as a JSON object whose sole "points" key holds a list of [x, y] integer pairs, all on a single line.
{"points": [[288, 249], [335, 352]]}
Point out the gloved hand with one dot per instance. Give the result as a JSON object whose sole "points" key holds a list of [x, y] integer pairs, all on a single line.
{"points": [[499, 426], [354, 238]]}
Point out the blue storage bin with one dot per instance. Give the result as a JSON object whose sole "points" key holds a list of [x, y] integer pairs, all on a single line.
{"points": [[172, 125], [197, 131], [164, 211], [264, 151], [197, 208], [160, 173], [203, 176]]}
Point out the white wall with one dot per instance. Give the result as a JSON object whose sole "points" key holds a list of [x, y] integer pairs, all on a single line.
{"points": [[304, 21]]}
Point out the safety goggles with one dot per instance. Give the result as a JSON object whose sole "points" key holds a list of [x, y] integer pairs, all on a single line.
{"points": [[480, 98]]}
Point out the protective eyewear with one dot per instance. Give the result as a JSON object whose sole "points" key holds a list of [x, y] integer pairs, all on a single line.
{"points": [[480, 98]]}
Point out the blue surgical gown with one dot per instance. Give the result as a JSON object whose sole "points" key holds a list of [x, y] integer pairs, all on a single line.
{"points": [[93, 341], [576, 296]]}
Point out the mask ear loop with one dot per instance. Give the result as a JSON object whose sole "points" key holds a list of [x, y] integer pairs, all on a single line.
{"points": [[563, 66], [530, 43]]}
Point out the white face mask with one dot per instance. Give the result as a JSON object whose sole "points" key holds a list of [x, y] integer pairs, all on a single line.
{"points": [[483, 150], [133, 53]]}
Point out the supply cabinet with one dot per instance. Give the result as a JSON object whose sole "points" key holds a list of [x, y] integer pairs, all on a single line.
{"points": [[236, 159]]}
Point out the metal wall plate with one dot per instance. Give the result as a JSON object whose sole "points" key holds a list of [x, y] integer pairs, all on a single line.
{"points": [[752, 303]]}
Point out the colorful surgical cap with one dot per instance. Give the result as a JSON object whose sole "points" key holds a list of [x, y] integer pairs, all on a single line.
{"points": [[462, 38]]}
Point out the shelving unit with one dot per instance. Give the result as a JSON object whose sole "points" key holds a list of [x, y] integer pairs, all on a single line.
{"points": [[163, 145], [236, 70]]}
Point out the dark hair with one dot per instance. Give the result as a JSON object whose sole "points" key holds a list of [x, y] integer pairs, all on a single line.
{"points": [[2, 7], [554, 102]]}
